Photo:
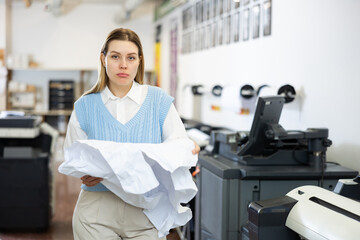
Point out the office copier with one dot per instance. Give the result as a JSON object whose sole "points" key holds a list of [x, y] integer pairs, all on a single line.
{"points": [[25, 176], [237, 168], [306, 212]]}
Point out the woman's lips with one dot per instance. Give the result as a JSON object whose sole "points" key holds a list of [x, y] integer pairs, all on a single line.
{"points": [[122, 75]]}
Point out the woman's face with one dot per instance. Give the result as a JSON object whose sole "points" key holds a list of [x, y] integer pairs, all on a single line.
{"points": [[121, 63]]}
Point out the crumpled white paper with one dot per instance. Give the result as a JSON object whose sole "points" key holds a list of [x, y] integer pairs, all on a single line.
{"points": [[154, 177]]}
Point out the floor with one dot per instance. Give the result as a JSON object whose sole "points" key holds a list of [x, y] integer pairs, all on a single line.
{"points": [[66, 192]]}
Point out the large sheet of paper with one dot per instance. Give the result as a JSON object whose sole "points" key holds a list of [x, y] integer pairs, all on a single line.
{"points": [[154, 177]]}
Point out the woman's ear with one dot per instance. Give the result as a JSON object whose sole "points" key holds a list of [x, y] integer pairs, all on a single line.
{"points": [[102, 57]]}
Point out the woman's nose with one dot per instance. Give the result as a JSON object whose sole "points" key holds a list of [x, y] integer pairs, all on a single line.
{"points": [[123, 63]]}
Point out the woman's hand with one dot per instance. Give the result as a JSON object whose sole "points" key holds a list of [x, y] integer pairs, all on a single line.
{"points": [[90, 181], [196, 150]]}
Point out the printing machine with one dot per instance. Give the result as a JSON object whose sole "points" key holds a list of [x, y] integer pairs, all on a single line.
{"points": [[26, 174], [238, 168], [306, 212]]}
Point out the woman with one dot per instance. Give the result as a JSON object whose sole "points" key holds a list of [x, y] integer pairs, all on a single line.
{"points": [[119, 108]]}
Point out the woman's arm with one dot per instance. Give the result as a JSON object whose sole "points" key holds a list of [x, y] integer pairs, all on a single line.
{"points": [[174, 128], [74, 132]]}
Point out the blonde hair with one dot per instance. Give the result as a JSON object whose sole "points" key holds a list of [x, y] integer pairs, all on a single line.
{"points": [[121, 34]]}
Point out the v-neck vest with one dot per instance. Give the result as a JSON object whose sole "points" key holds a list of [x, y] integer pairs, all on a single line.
{"points": [[145, 127]]}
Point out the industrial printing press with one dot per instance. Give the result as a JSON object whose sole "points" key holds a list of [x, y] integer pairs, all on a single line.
{"points": [[238, 168]]}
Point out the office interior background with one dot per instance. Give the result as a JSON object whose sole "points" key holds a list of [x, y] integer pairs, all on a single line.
{"points": [[312, 46]]}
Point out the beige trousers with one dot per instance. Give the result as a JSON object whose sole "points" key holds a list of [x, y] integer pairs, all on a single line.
{"points": [[104, 216]]}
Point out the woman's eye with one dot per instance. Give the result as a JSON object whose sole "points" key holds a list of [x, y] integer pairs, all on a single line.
{"points": [[115, 57], [132, 58]]}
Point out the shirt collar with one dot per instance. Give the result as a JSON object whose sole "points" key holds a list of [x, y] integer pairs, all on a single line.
{"points": [[134, 94]]}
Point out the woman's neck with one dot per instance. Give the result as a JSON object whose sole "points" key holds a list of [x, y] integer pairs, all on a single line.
{"points": [[120, 91]]}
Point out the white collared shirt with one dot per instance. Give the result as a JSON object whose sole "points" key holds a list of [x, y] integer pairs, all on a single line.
{"points": [[123, 109]]}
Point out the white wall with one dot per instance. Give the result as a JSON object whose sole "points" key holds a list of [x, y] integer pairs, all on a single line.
{"points": [[74, 39], [63, 45], [314, 45], [2, 24]]}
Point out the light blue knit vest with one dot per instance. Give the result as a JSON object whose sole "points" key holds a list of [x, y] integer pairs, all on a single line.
{"points": [[145, 127]]}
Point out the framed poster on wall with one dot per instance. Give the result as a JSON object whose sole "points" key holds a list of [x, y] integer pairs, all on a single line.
{"points": [[229, 5], [255, 21], [203, 10], [190, 42], [221, 6], [220, 31], [191, 16], [214, 31], [197, 39], [228, 29], [203, 38], [246, 23], [209, 36], [184, 44], [236, 26], [214, 8], [198, 13], [174, 57], [207, 9], [236, 4], [184, 19], [267, 18]]}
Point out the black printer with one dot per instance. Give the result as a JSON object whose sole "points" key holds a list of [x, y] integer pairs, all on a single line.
{"points": [[25, 176], [237, 168]]}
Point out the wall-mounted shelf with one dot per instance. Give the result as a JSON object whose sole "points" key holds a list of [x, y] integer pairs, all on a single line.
{"points": [[22, 99], [11, 71]]}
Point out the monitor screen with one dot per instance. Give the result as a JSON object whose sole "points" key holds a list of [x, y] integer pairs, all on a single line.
{"points": [[268, 111]]}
